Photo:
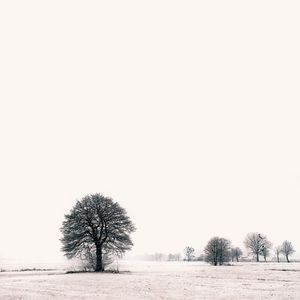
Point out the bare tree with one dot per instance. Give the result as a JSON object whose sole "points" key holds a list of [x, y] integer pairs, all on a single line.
{"points": [[174, 257], [287, 249], [265, 252], [170, 257], [232, 254], [189, 253], [159, 256], [236, 253], [201, 257], [257, 244], [96, 228], [277, 251], [177, 256], [217, 251]]}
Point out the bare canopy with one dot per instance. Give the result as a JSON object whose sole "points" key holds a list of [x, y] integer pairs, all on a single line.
{"points": [[236, 253], [217, 251], [257, 244], [96, 227], [189, 253], [287, 249]]}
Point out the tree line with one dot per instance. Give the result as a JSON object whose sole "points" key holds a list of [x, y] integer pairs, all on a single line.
{"points": [[98, 229], [220, 250]]}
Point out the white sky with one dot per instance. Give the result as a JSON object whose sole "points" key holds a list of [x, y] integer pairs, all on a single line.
{"points": [[185, 112]]}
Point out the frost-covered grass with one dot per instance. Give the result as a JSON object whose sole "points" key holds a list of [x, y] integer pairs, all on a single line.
{"points": [[159, 280]]}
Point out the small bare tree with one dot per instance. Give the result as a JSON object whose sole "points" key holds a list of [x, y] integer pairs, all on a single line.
{"points": [[159, 256], [277, 251], [257, 244], [174, 257], [287, 249], [217, 251], [189, 253], [177, 256], [265, 252], [236, 253]]}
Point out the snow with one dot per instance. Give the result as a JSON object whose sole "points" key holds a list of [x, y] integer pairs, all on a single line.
{"points": [[159, 280]]}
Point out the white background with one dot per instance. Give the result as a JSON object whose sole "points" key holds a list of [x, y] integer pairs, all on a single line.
{"points": [[185, 112]]}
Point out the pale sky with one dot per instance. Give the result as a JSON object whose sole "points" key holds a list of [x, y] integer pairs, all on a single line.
{"points": [[185, 112]]}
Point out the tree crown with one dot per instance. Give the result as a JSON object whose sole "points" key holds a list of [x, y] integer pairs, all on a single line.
{"points": [[96, 222]]}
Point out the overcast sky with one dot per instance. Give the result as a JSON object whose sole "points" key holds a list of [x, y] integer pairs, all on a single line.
{"points": [[185, 112]]}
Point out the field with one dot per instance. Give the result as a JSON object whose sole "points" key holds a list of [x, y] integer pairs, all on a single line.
{"points": [[159, 280]]}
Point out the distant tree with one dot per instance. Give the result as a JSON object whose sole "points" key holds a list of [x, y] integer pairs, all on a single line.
{"points": [[189, 253], [287, 249], [201, 257], [170, 257], [217, 251], [159, 256], [257, 244], [236, 253], [265, 252], [174, 257], [96, 228], [177, 256], [277, 251], [232, 255]]}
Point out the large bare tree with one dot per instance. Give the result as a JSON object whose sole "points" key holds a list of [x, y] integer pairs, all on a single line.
{"points": [[257, 244], [217, 251], [95, 228], [287, 249]]}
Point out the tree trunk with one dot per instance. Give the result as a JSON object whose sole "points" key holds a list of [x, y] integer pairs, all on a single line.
{"points": [[277, 258], [237, 258], [99, 262], [257, 257], [287, 259]]}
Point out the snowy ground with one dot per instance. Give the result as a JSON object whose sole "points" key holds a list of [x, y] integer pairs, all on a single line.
{"points": [[159, 280]]}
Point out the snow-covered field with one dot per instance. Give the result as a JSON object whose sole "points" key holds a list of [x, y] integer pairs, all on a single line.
{"points": [[159, 280]]}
